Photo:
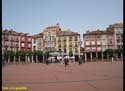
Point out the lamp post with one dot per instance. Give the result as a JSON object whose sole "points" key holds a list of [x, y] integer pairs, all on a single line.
{"points": [[80, 43]]}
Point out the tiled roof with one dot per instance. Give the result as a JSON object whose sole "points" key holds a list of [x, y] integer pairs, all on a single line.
{"points": [[50, 27], [67, 33], [116, 25], [9, 31], [37, 35], [12, 32], [97, 32]]}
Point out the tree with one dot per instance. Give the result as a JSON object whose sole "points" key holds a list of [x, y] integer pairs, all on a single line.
{"points": [[22, 55], [119, 52], [29, 54], [37, 54], [46, 54], [108, 52], [9, 55]]}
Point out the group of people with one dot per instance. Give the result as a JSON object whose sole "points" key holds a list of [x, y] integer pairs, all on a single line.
{"points": [[64, 60]]}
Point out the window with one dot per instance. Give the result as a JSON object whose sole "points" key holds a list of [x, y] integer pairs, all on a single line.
{"points": [[118, 46], [64, 50], [70, 49], [110, 41], [29, 45], [98, 36], [87, 37], [23, 38], [70, 38], [16, 49], [75, 38], [34, 41], [34, 48], [118, 41], [76, 50], [22, 44], [64, 38], [92, 37], [29, 39], [59, 39]]}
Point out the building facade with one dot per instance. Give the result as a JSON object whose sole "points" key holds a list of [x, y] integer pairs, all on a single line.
{"points": [[14, 41], [25, 42], [37, 42], [68, 42], [117, 29], [49, 36], [96, 42], [10, 40]]}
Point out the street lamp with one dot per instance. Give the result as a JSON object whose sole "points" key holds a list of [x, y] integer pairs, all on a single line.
{"points": [[80, 43]]}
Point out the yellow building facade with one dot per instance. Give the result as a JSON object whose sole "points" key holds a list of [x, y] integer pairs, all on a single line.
{"points": [[68, 42]]}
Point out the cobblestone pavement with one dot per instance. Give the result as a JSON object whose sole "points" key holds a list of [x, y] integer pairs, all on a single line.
{"points": [[90, 76]]}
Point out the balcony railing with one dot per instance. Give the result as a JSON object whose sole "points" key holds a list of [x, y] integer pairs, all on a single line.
{"points": [[76, 45], [29, 41], [59, 40], [70, 45], [64, 40], [59, 46], [6, 38], [12, 46], [64, 45], [12, 40], [17, 40], [17, 45], [23, 40], [5, 45], [70, 39], [76, 39]]}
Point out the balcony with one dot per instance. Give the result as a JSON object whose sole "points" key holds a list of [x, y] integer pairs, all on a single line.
{"points": [[64, 40], [12, 46], [64, 45], [17, 45], [70, 45], [29, 41], [12, 40], [6, 38], [76, 45], [23, 39], [17, 40], [59, 40], [76, 39], [59, 46], [70, 39], [5, 45]]}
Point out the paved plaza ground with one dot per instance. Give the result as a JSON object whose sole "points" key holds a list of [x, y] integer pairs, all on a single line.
{"points": [[91, 76]]}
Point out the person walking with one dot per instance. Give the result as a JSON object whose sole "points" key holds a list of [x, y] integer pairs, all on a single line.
{"points": [[66, 61]]}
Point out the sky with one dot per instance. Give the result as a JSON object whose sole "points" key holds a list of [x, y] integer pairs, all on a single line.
{"points": [[32, 16]]}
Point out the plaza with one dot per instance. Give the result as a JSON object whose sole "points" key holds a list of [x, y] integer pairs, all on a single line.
{"points": [[89, 76]]}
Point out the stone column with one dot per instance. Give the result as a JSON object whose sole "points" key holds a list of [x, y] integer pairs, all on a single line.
{"points": [[108, 56], [26, 59], [19, 59], [96, 56], [121, 55], [91, 56], [36, 59], [102, 56], [8, 59], [32, 59], [85, 57], [43, 59], [14, 60]]}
